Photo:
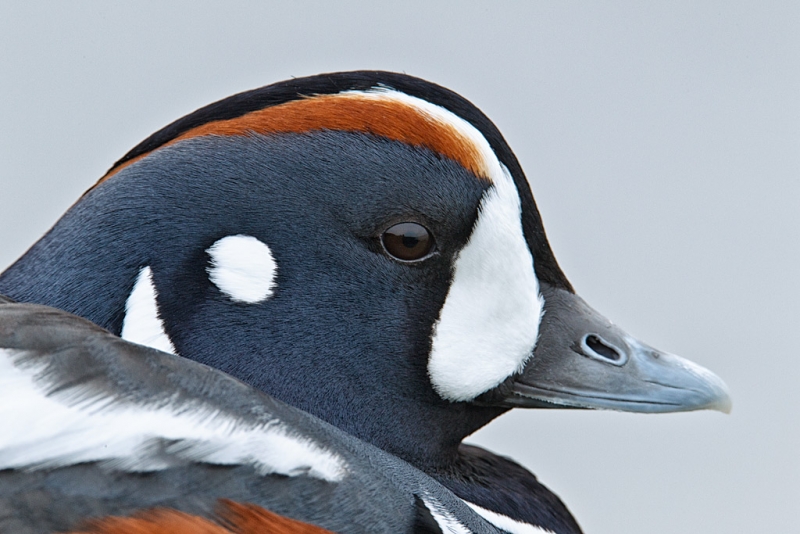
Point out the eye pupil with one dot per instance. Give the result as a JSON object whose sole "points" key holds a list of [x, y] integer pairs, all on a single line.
{"points": [[410, 241], [407, 241]]}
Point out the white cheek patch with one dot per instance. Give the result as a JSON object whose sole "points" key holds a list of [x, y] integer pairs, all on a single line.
{"points": [[41, 430], [242, 267], [489, 322], [142, 323], [512, 526]]}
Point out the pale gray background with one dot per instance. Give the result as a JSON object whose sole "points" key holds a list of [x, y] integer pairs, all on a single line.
{"points": [[662, 141]]}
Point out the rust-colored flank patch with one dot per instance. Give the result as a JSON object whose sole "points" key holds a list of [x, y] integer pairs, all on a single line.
{"points": [[234, 518], [349, 112]]}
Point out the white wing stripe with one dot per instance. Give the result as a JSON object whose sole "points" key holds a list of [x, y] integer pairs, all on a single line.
{"points": [[40, 431]]}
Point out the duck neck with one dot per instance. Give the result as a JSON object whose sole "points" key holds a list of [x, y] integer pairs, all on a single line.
{"points": [[427, 437]]}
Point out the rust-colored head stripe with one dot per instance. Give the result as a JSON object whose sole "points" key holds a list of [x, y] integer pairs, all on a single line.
{"points": [[234, 518], [349, 112]]}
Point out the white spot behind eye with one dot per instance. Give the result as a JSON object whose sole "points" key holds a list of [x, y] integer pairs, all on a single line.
{"points": [[243, 268]]}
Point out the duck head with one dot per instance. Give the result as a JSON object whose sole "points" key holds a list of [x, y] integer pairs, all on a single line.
{"points": [[362, 245]]}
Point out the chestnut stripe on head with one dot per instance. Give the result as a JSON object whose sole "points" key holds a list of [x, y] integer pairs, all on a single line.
{"points": [[379, 112]]}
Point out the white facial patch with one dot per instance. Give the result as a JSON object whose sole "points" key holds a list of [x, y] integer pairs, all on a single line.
{"points": [[242, 267], [142, 323], [512, 526], [42, 431], [489, 323]]}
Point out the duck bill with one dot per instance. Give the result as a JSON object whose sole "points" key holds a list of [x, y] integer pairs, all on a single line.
{"points": [[582, 360]]}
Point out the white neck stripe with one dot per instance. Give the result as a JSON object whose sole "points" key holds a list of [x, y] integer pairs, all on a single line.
{"points": [[512, 526], [142, 323], [446, 521]]}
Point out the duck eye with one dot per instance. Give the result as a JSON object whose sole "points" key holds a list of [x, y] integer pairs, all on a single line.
{"points": [[407, 241]]}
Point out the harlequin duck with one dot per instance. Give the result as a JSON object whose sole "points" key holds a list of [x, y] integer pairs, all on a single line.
{"points": [[366, 247]]}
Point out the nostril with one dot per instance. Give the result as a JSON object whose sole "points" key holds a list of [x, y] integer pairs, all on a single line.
{"points": [[601, 349]]}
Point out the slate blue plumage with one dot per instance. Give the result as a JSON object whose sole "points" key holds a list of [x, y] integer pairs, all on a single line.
{"points": [[348, 334]]}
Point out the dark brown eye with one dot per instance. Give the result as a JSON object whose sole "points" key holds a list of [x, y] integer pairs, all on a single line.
{"points": [[407, 241]]}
